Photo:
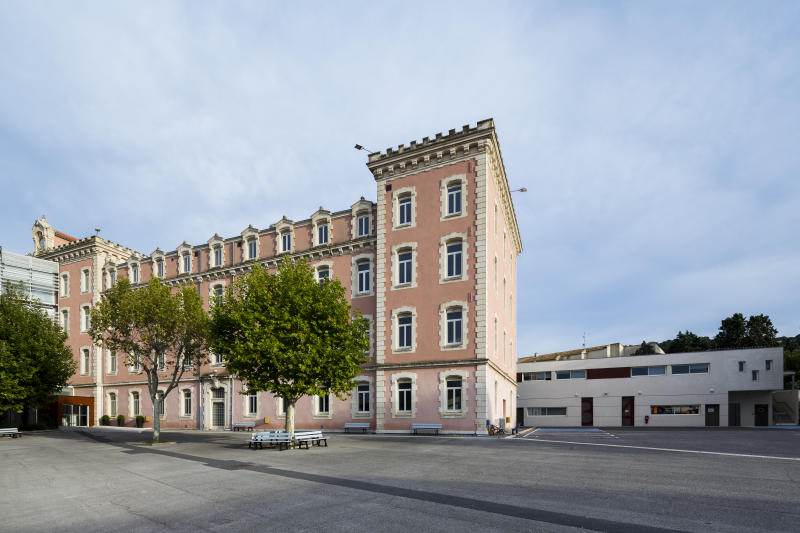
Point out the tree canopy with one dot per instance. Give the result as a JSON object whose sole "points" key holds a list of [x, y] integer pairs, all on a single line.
{"points": [[289, 334], [164, 333], [35, 362]]}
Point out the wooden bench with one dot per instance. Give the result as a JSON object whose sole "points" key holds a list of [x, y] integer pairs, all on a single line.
{"points": [[11, 432], [239, 426], [416, 428], [314, 437], [363, 426]]}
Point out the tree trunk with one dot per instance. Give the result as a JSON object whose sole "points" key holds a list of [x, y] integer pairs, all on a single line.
{"points": [[289, 417], [156, 420]]}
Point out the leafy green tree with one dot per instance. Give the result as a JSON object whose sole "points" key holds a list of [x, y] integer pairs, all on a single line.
{"points": [[290, 335], [732, 332], [164, 333], [688, 342], [761, 332], [34, 361]]}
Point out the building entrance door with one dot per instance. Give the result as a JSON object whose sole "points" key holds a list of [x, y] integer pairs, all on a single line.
{"points": [[587, 412], [712, 414], [734, 414], [520, 416], [218, 414], [75, 415], [762, 414], [627, 411]]}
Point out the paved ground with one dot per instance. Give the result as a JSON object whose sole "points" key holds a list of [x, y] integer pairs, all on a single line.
{"points": [[610, 480]]}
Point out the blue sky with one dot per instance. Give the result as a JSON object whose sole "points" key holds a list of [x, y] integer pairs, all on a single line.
{"points": [[658, 141]]}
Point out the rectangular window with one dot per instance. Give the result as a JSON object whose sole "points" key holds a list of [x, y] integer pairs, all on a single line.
{"points": [[755, 375], [769, 364], [112, 404], [323, 273], [674, 409], [252, 403], [648, 370], [161, 361], [363, 277], [135, 273], [570, 374], [286, 242], [187, 263], [217, 359], [85, 322], [454, 323], [251, 249], [363, 397], [160, 268], [741, 366], [323, 404], [135, 404], [65, 320], [454, 199], [404, 331], [404, 214], [404, 268], [322, 234], [536, 376], [454, 260], [162, 408], [112, 363], [547, 411], [113, 277], [63, 287], [696, 368], [280, 406], [85, 361], [454, 394], [218, 257], [85, 280], [187, 402], [363, 225], [404, 396]]}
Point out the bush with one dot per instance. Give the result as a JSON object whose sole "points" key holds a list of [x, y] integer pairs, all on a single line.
{"points": [[120, 420], [105, 420]]}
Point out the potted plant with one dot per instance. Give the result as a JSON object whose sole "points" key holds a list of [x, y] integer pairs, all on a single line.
{"points": [[139, 421], [120, 420], [105, 420]]}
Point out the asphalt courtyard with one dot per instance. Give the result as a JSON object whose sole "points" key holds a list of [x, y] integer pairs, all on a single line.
{"points": [[646, 480]]}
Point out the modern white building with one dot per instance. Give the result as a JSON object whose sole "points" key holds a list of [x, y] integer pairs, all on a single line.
{"points": [[607, 386], [36, 278]]}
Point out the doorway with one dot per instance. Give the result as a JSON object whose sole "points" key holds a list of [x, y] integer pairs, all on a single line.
{"points": [[712, 415], [734, 415], [75, 415], [627, 411], [218, 407], [521, 416], [587, 411], [762, 414]]}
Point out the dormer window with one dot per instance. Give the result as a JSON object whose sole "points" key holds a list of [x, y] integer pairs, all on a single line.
{"points": [[187, 263], [286, 242], [322, 234], [135, 273], [363, 225], [251, 249], [160, 268], [218, 256]]}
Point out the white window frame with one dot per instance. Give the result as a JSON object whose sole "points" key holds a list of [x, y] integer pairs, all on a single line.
{"points": [[186, 263], [113, 403], [219, 254], [86, 280], [284, 236], [443, 308], [213, 289], [363, 219], [246, 408], [186, 413], [355, 396], [85, 318], [162, 405], [111, 357], [443, 393], [371, 332], [317, 411], [136, 367], [396, 378], [136, 273], [396, 251], [396, 313], [160, 268], [444, 186], [354, 278], [444, 241], [322, 265], [252, 249], [357, 210], [396, 197], [134, 402], [280, 407]]}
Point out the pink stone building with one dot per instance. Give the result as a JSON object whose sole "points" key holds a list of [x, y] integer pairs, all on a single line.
{"points": [[431, 265]]}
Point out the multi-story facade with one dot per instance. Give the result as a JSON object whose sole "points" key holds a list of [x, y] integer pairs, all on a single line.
{"points": [[431, 265]]}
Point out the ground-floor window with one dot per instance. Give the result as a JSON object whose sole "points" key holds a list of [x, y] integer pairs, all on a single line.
{"points": [[252, 403], [404, 396], [187, 402], [547, 411], [135, 404], [112, 404], [363, 397], [674, 409], [74, 415], [454, 386], [323, 404]]}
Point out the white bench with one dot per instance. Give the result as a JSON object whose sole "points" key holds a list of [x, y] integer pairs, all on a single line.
{"points": [[314, 437], [11, 432], [363, 426], [242, 425], [259, 438], [416, 428]]}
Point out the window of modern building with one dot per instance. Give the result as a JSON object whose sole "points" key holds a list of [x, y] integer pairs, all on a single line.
{"points": [[404, 210], [534, 376], [286, 242], [322, 234], [455, 318], [363, 398], [741, 366], [755, 375], [697, 368], [63, 286], [252, 253], [252, 403], [454, 259], [648, 370], [85, 280], [218, 256], [768, 364], [136, 408], [404, 341], [404, 267], [112, 404], [547, 411], [674, 409], [363, 268], [363, 225], [187, 402], [454, 386], [570, 374], [404, 396], [454, 199], [187, 263], [323, 273]]}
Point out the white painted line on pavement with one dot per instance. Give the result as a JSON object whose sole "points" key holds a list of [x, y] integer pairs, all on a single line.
{"points": [[666, 449]]}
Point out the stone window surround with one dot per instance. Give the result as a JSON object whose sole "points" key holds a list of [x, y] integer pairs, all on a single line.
{"points": [[396, 196], [398, 376], [214, 243], [362, 207], [354, 261], [85, 317], [85, 368], [444, 184], [443, 325], [158, 256], [354, 412], [132, 367], [86, 280], [212, 286], [109, 392], [323, 264], [280, 408], [397, 249], [181, 392], [318, 219], [315, 412], [282, 227], [451, 238], [395, 332], [464, 375], [109, 356], [63, 285], [246, 405], [131, 412], [134, 265], [250, 234]]}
